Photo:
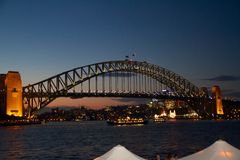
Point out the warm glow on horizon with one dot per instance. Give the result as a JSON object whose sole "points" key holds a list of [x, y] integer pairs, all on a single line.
{"points": [[93, 102]]}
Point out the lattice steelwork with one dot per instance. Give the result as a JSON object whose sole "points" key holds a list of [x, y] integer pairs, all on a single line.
{"points": [[110, 79]]}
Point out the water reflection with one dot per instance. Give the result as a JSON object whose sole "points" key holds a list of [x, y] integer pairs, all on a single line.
{"points": [[87, 140], [11, 142], [128, 125]]}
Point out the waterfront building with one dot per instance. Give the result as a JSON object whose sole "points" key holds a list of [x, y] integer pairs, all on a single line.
{"points": [[11, 94], [172, 114], [170, 104]]}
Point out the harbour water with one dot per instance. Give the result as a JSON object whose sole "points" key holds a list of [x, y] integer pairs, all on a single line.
{"points": [[88, 140]]}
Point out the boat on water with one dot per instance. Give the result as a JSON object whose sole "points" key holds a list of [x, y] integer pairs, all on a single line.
{"points": [[159, 120], [127, 121]]}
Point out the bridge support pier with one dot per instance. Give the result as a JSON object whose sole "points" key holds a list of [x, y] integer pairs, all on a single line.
{"points": [[218, 100], [11, 94]]}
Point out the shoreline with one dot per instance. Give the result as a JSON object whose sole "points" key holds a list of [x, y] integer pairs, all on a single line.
{"points": [[18, 123]]}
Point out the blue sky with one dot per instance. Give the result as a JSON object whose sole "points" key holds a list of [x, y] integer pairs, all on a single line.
{"points": [[199, 40]]}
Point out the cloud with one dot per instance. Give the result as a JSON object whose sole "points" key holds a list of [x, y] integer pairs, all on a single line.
{"points": [[227, 90], [235, 94], [224, 78]]}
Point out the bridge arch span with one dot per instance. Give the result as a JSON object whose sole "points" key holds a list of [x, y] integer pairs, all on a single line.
{"points": [[40, 94]]}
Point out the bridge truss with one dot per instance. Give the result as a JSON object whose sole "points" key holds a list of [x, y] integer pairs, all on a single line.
{"points": [[123, 78]]}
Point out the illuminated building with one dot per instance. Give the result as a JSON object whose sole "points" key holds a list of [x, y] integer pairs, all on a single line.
{"points": [[11, 94], [163, 114], [170, 104], [172, 114], [217, 95]]}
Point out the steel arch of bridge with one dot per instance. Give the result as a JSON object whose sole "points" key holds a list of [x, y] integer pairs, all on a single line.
{"points": [[39, 95]]}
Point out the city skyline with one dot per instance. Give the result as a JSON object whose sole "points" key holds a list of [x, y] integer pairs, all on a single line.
{"points": [[199, 40]]}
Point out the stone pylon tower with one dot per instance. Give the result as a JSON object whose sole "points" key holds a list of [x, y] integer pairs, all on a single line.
{"points": [[217, 95], [11, 94]]}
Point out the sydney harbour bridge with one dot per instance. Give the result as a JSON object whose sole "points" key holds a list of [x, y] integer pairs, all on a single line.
{"points": [[122, 78]]}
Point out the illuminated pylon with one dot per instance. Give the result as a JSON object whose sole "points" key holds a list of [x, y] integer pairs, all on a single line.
{"points": [[11, 88], [217, 95]]}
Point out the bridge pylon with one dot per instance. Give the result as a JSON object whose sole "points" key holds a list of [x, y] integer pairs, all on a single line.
{"points": [[218, 100], [11, 94]]}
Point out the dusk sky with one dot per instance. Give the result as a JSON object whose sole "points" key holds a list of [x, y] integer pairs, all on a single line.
{"points": [[199, 40]]}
